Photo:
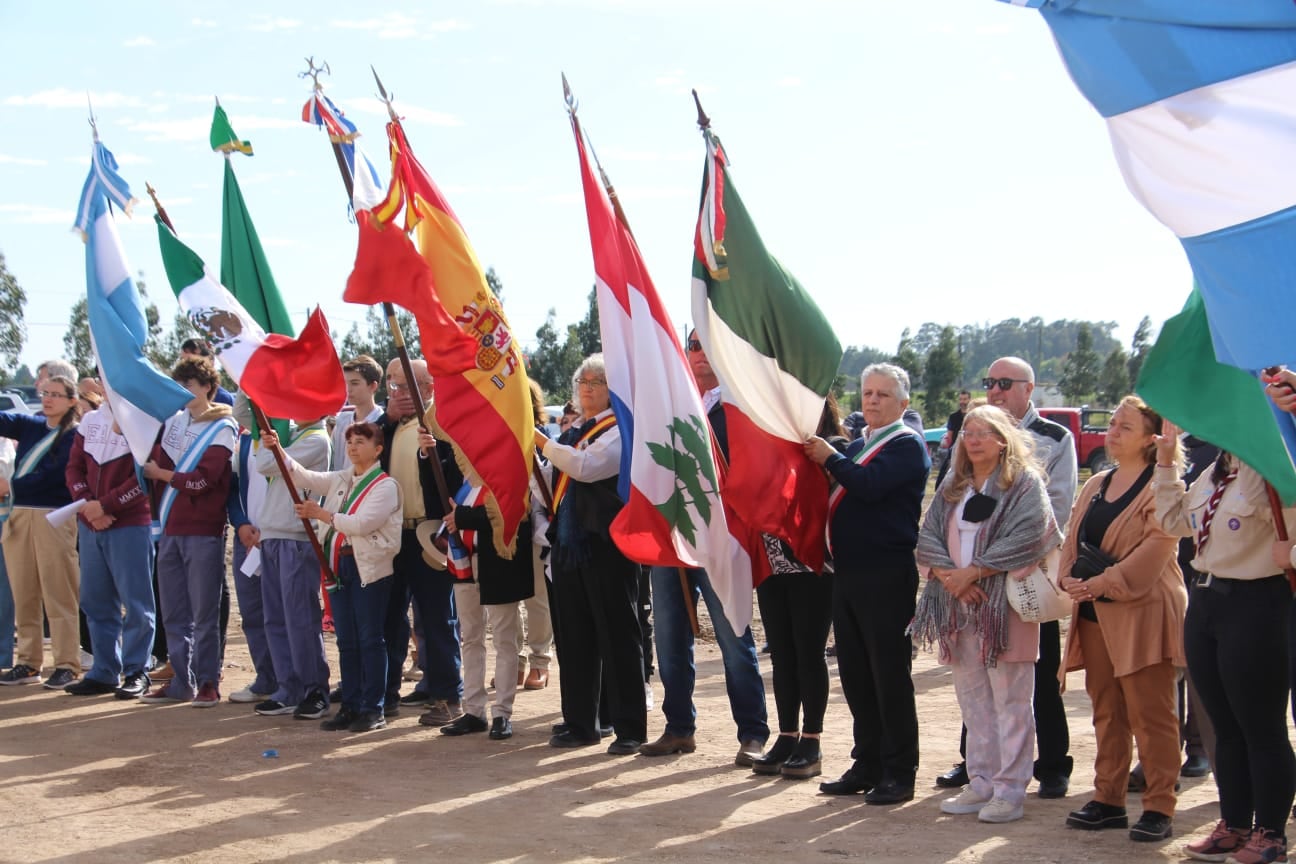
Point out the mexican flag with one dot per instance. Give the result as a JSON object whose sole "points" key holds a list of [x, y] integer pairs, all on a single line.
{"points": [[1184, 382], [776, 357], [294, 379]]}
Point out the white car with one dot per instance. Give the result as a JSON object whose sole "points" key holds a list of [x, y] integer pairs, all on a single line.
{"points": [[13, 402]]}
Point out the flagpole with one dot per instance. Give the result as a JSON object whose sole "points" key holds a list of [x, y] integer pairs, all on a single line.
{"points": [[690, 606], [1280, 527], [263, 426]]}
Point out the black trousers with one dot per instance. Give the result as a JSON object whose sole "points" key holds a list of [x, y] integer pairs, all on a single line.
{"points": [[432, 591], [604, 712], [1052, 736], [796, 609], [870, 610], [1235, 636], [602, 643]]}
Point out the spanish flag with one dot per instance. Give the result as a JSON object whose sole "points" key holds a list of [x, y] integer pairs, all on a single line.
{"points": [[485, 412]]}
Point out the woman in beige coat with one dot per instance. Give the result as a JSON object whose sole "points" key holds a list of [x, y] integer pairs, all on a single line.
{"points": [[1127, 628]]}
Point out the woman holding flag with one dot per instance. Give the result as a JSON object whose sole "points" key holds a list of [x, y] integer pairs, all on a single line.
{"points": [[360, 530], [1235, 637], [41, 559]]}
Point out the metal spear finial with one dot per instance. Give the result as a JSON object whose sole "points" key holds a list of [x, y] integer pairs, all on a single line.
{"points": [[703, 121], [385, 97], [94, 126], [313, 72], [568, 96]]}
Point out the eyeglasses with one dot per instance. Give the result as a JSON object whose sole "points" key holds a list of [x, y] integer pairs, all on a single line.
{"points": [[591, 382], [694, 345], [1002, 383], [54, 394], [977, 434]]}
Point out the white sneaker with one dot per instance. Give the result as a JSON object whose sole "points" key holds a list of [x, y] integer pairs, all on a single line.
{"points": [[248, 695], [648, 697], [999, 810], [965, 802]]}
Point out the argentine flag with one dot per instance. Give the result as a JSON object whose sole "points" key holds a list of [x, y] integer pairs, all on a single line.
{"points": [[140, 396], [1200, 102]]}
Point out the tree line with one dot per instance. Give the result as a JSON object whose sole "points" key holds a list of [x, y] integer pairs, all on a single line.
{"points": [[1082, 358]]}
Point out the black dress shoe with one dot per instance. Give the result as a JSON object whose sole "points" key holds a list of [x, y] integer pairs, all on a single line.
{"points": [[624, 746], [335, 696], [1195, 766], [1096, 816], [569, 739], [1151, 827], [805, 761], [339, 721], [465, 724], [772, 761], [89, 687], [1054, 787], [415, 697], [560, 728], [849, 783], [889, 792], [500, 729], [606, 731], [955, 778], [391, 708], [367, 721]]}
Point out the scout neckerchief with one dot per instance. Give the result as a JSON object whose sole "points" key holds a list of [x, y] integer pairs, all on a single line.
{"points": [[188, 461], [864, 456], [1203, 533], [360, 489], [587, 437], [463, 549]]}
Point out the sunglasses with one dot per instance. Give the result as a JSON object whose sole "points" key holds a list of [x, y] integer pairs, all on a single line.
{"points": [[1002, 383], [694, 345]]}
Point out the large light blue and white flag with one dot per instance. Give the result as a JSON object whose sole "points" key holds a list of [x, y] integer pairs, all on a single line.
{"points": [[140, 396], [1200, 102]]}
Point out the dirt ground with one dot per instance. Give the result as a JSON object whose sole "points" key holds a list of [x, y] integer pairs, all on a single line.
{"points": [[96, 779]]}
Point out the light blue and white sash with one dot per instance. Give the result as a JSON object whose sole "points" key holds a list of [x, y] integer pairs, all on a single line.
{"points": [[188, 461]]}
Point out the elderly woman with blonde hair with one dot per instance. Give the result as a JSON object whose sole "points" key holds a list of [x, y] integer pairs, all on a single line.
{"points": [[990, 521]]}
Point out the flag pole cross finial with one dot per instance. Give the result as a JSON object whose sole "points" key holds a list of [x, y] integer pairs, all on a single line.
{"points": [[383, 96], [313, 72]]}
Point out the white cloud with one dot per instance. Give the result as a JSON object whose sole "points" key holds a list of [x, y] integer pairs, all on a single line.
{"points": [[198, 128], [21, 160], [61, 97], [407, 112], [139, 42], [36, 214], [394, 25], [268, 23]]}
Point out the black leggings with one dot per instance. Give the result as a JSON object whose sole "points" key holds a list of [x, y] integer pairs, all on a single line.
{"points": [[1236, 640], [796, 609]]}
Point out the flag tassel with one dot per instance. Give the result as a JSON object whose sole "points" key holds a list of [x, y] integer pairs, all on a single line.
{"points": [[263, 426]]}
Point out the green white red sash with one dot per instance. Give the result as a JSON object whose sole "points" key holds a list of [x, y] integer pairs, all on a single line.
{"points": [[587, 437], [864, 456], [334, 541]]}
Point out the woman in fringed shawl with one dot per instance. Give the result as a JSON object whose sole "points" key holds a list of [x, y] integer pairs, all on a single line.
{"points": [[990, 519]]}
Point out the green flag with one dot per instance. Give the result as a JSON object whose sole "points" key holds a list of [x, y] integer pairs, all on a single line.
{"points": [[1225, 405]]}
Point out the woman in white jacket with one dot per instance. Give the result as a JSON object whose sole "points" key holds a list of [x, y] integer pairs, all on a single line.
{"points": [[359, 526]]}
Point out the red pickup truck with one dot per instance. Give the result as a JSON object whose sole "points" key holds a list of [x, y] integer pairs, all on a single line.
{"points": [[1088, 426]]}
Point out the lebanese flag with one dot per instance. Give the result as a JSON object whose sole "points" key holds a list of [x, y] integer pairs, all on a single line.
{"points": [[674, 515], [776, 357], [293, 379]]}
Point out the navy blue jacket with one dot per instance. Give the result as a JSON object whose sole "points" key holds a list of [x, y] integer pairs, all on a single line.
{"points": [[46, 485], [877, 519]]}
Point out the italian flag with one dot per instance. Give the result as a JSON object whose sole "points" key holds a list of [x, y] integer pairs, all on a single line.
{"points": [[776, 357], [294, 379]]}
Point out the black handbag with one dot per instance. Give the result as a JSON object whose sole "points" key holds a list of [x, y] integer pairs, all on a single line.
{"points": [[1090, 559]]}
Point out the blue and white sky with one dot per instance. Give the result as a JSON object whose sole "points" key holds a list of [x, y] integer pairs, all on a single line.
{"points": [[924, 160]]}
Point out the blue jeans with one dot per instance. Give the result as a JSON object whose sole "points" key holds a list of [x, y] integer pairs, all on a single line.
{"points": [[358, 615], [116, 573], [674, 638], [252, 613], [6, 618]]}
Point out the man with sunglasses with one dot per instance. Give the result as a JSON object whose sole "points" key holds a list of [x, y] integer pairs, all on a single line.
{"points": [[1009, 385]]}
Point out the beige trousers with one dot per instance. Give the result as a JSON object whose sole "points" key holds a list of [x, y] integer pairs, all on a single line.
{"points": [[43, 569]]}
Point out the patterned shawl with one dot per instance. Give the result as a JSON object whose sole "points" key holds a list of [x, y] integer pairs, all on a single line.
{"points": [[1019, 532]]}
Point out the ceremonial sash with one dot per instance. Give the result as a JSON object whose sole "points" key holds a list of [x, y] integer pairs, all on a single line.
{"points": [[863, 457], [188, 461], [587, 437], [26, 466], [464, 547], [333, 540]]}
